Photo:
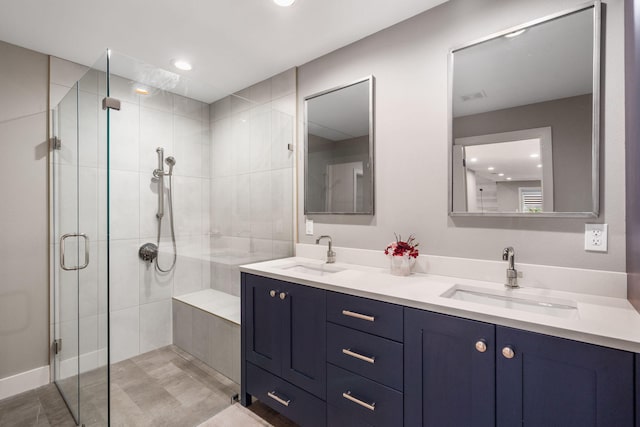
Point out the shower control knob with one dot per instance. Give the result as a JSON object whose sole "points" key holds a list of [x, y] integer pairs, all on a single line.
{"points": [[148, 252]]}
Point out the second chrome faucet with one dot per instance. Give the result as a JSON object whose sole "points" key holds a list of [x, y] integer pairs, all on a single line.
{"points": [[331, 255], [509, 255]]}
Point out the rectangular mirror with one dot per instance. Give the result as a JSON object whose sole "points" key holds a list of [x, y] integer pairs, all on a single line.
{"points": [[525, 119], [339, 150]]}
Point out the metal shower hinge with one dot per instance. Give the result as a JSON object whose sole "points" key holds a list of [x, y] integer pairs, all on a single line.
{"points": [[111, 103], [55, 143], [57, 346]]}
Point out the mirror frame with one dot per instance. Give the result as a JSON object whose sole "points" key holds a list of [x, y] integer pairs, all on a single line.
{"points": [[371, 80], [595, 125]]}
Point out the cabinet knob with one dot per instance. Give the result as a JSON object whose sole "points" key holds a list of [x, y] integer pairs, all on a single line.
{"points": [[481, 345], [508, 352], [283, 295], [272, 293]]}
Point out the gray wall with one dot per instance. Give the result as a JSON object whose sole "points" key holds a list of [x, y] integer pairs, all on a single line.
{"points": [[633, 149], [409, 61], [24, 287], [570, 122]]}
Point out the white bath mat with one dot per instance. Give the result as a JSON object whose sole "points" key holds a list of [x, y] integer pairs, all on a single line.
{"points": [[235, 416]]}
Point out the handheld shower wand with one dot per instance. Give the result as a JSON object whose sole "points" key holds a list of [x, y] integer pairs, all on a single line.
{"points": [[171, 161]]}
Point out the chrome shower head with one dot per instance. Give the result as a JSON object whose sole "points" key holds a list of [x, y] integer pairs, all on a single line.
{"points": [[171, 161]]}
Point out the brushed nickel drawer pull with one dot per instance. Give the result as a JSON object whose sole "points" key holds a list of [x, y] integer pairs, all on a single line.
{"points": [[369, 406], [358, 315], [274, 396], [348, 352]]}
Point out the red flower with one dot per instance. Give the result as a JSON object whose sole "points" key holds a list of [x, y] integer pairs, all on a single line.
{"points": [[401, 248]]}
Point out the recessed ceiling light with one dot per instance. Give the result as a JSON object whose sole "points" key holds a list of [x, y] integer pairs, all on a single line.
{"points": [[515, 33], [284, 3], [534, 155], [509, 178], [540, 165], [500, 174], [490, 168], [142, 91], [473, 160], [181, 64]]}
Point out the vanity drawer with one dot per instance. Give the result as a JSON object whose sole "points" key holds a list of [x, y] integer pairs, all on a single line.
{"points": [[373, 357], [363, 399], [375, 317], [289, 400], [337, 417]]}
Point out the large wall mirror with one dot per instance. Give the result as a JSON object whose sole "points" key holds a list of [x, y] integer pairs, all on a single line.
{"points": [[525, 120], [339, 150]]}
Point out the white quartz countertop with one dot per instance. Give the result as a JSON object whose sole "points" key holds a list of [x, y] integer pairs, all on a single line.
{"points": [[606, 321]]}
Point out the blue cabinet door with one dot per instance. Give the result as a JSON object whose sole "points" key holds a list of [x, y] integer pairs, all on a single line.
{"points": [[262, 322], [304, 338], [550, 381], [448, 381], [637, 390], [284, 331]]}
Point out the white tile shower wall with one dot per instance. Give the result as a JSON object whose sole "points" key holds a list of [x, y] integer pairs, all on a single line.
{"points": [[140, 295], [251, 203]]}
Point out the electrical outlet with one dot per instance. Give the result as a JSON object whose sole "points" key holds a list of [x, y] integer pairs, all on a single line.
{"points": [[595, 237], [309, 227]]}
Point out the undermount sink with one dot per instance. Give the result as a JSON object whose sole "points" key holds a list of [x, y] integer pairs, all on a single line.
{"points": [[512, 299], [312, 269]]}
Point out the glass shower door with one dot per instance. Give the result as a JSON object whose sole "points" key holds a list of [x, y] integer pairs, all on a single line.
{"points": [[80, 248]]}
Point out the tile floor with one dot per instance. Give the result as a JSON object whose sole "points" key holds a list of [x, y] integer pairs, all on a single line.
{"points": [[165, 387]]}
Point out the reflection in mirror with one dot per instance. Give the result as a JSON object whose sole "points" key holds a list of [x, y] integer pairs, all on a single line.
{"points": [[511, 176], [339, 150], [525, 120]]}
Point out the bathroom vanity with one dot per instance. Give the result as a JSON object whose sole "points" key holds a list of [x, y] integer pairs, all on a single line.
{"points": [[386, 351]]}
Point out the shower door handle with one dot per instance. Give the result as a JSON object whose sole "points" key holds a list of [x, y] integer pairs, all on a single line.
{"points": [[86, 251]]}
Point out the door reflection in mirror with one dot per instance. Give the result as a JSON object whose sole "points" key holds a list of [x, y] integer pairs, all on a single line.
{"points": [[511, 176]]}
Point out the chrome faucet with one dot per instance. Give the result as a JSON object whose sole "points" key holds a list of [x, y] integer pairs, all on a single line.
{"points": [[331, 255], [512, 274]]}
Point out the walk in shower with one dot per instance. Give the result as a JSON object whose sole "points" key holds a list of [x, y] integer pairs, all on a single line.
{"points": [[159, 188]]}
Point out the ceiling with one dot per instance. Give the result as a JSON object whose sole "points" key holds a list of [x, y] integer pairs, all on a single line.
{"points": [[516, 160], [232, 44]]}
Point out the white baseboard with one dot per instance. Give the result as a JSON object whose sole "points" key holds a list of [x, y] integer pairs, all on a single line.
{"points": [[24, 381], [88, 362]]}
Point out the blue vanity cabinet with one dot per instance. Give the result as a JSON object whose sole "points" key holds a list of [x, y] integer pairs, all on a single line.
{"points": [[549, 381], [449, 371], [325, 358], [364, 362], [262, 312], [284, 347], [637, 390]]}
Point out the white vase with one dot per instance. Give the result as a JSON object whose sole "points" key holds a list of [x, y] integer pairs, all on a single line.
{"points": [[401, 265]]}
